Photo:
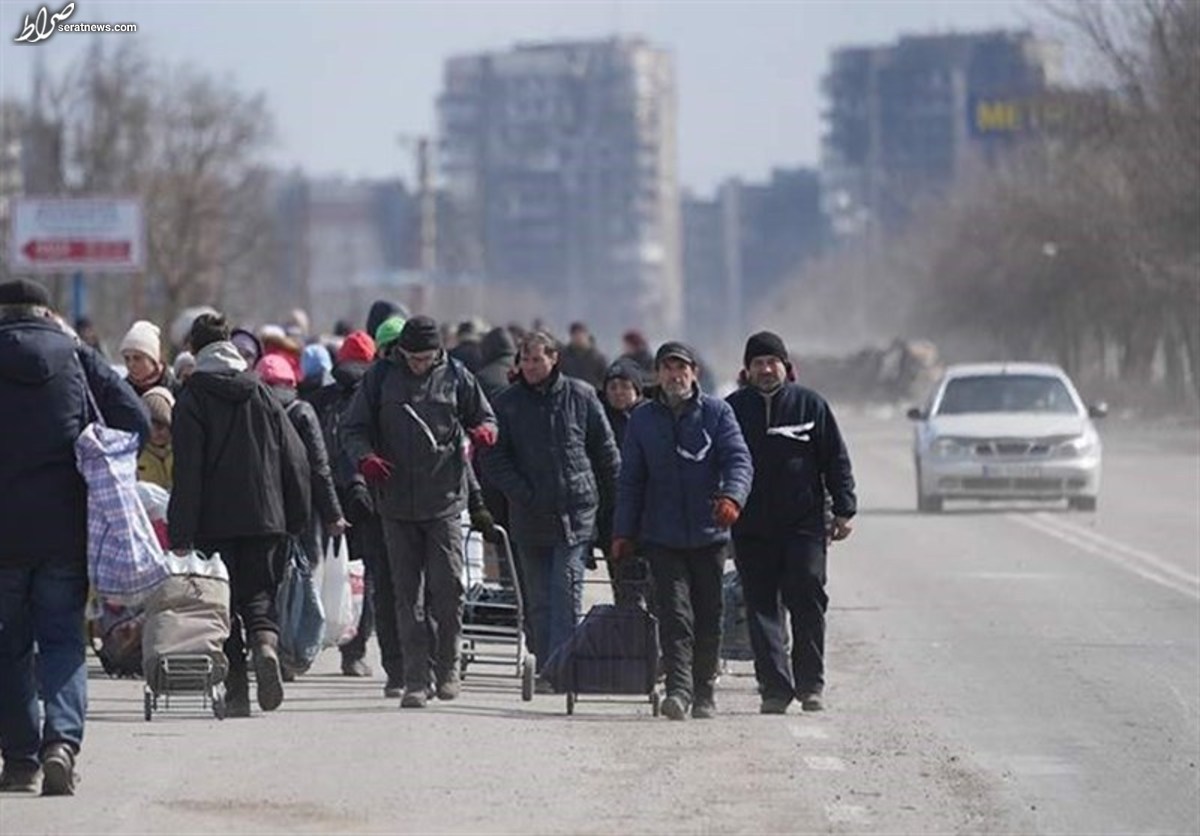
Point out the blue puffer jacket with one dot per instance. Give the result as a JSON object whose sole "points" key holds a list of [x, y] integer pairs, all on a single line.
{"points": [[673, 468], [43, 409]]}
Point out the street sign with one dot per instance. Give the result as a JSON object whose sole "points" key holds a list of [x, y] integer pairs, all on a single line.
{"points": [[88, 234]]}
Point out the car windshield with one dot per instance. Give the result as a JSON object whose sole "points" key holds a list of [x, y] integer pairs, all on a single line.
{"points": [[1007, 393]]}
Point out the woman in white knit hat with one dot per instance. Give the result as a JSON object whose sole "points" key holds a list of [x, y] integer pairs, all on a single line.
{"points": [[141, 349]]}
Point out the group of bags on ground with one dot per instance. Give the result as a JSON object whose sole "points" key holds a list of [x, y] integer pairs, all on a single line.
{"points": [[148, 602]]}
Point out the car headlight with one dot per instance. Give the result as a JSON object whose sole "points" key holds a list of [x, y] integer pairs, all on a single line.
{"points": [[1077, 448], [947, 448]]}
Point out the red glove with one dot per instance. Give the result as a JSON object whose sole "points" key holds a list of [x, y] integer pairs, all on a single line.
{"points": [[725, 512], [622, 548], [375, 469], [483, 436]]}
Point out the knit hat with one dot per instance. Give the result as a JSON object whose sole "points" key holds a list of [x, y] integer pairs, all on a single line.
{"points": [[381, 310], [420, 333], [275, 370], [143, 337], [247, 344], [676, 351], [358, 347], [625, 370], [315, 362], [388, 332], [161, 403], [24, 292], [185, 361], [765, 344]]}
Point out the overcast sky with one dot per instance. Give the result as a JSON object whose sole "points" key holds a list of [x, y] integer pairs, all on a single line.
{"points": [[344, 77]]}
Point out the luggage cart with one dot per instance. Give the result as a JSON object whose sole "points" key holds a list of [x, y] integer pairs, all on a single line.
{"points": [[186, 675], [595, 665], [493, 637]]}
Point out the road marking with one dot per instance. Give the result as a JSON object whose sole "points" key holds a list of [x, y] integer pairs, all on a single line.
{"points": [[802, 731], [1153, 560], [1126, 557], [847, 814], [1012, 576], [824, 763], [1040, 765]]}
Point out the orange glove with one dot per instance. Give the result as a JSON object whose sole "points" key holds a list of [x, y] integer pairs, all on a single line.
{"points": [[622, 548], [725, 512]]}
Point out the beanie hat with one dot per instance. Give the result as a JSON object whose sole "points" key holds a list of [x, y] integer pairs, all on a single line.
{"points": [[247, 345], [161, 403], [388, 332], [143, 337], [765, 344], [185, 361], [358, 347], [315, 361], [420, 333], [275, 370], [24, 292], [625, 370]]}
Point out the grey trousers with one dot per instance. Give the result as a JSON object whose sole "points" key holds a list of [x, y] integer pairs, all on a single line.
{"points": [[426, 563]]}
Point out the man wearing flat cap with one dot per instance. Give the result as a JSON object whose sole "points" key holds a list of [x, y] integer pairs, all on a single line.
{"points": [[407, 429], [685, 476], [781, 538]]}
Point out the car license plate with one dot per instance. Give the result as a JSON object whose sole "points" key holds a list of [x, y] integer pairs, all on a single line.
{"points": [[1012, 471]]}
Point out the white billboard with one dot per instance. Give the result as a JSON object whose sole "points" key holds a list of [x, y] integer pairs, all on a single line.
{"points": [[77, 234]]}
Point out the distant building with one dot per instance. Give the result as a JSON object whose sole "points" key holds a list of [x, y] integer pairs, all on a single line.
{"points": [[904, 119], [741, 245], [560, 160]]}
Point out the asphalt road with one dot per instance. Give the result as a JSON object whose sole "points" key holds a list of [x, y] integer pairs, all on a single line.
{"points": [[992, 670]]}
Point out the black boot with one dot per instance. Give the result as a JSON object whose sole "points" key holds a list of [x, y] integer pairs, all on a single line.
{"points": [[267, 671]]}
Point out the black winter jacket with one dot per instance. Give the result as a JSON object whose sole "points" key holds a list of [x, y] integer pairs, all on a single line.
{"points": [[306, 423], [417, 424], [799, 455], [554, 460], [241, 469], [586, 364], [333, 405], [43, 409], [499, 355]]}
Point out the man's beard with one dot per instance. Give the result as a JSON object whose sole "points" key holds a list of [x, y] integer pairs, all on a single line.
{"points": [[767, 384]]}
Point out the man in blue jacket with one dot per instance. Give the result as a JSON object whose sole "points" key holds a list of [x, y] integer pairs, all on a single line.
{"points": [[781, 538], [44, 376], [685, 475]]}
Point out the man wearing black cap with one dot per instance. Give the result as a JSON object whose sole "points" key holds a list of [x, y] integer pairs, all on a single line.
{"points": [[407, 429], [44, 377], [685, 475], [781, 538]]}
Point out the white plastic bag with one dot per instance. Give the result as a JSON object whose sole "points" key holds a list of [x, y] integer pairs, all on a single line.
{"points": [[337, 593]]}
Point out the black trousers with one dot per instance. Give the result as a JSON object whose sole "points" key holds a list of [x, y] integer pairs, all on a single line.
{"points": [[254, 565], [791, 570], [687, 583]]}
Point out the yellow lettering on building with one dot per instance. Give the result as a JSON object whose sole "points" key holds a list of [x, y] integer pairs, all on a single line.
{"points": [[997, 116]]}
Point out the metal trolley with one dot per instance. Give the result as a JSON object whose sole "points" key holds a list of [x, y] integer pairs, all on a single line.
{"points": [[493, 637], [186, 675]]}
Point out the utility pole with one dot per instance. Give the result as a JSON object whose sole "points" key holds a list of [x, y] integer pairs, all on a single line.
{"points": [[426, 200]]}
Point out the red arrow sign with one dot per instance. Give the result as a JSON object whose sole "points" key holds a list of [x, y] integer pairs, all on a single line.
{"points": [[62, 249]]}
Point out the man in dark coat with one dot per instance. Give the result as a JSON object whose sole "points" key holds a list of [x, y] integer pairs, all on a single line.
{"points": [[44, 377], [499, 355], [781, 537], [685, 476], [581, 359], [242, 484], [554, 461], [407, 430]]}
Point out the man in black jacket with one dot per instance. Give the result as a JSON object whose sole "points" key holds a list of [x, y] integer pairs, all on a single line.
{"points": [[781, 538], [44, 377], [406, 430], [581, 359], [241, 486], [554, 461]]}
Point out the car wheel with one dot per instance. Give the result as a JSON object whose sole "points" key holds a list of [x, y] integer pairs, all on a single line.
{"points": [[1081, 503]]}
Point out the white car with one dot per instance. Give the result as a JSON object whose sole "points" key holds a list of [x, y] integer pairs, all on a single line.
{"points": [[1006, 431]]}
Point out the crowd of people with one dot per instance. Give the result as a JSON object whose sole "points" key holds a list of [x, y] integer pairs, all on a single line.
{"points": [[390, 435]]}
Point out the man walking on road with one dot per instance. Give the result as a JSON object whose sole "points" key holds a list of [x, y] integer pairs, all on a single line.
{"points": [[555, 460], [242, 485], [685, 476], [405, 429], [44, 377], [781, 537]]}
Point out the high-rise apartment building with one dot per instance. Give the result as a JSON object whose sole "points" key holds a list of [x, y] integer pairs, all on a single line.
{"points": [[560, 159]]}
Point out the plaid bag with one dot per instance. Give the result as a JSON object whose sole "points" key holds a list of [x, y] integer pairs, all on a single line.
{"points": [[125, 560]]}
